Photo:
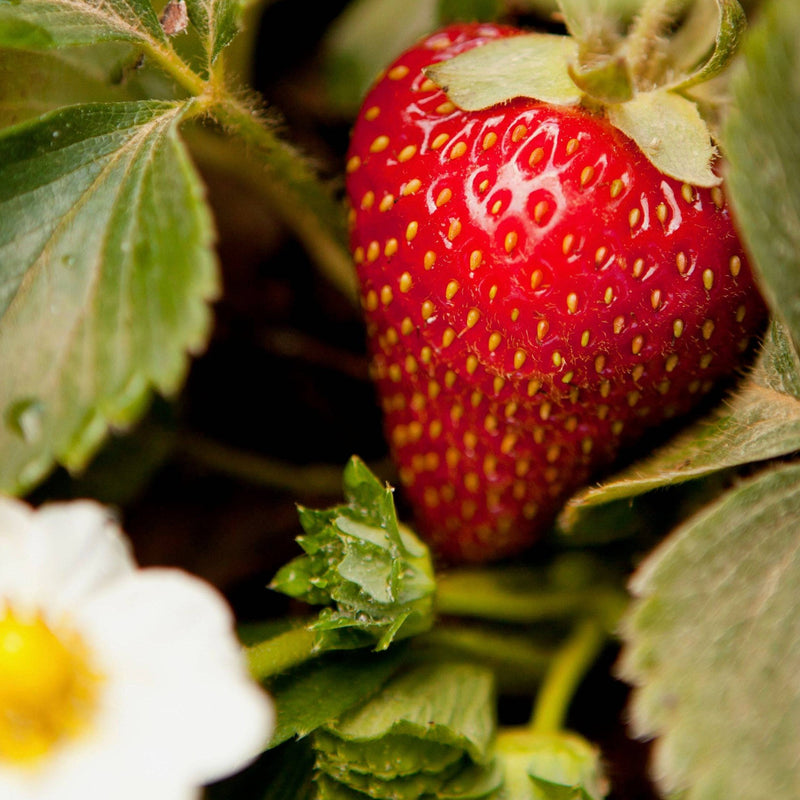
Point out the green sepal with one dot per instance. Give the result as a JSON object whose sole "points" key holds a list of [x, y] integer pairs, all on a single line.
{"points": [[427, 733], [449, 703], [530, 65], [610, 81], [670, 132], [374, 575], [732, 25], [321, 690], [666, 126], [549, 766]]}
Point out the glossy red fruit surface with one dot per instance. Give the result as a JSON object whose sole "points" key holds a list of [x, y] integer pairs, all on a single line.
{"points": [[536, 293]]}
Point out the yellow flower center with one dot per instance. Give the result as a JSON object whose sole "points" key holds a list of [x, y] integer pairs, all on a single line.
{"points": [[48, 689]]}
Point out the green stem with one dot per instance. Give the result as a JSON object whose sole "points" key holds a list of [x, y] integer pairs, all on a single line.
{"points": [[479, 594], [564, 675], [645, 43], [512, 652], [171, 63], [294, 192], [262, 471], [280, 653]]}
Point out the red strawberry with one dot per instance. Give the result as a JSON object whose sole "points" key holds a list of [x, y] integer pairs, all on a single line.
{"points": [[537, 294]]}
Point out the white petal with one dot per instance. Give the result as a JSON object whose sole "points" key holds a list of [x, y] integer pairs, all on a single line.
{"points": [[53, 557], [16, 522], [181, 695], [176, 707]]}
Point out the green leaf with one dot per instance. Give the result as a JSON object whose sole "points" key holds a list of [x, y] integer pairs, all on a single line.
{"points": [[388, 757], [320, 691], [34, 83], [217, 22], [376, 575], [761, 421], [23, 34], [764, 152], [671, 133], [531, 65], [61, 23], [549, 766], [106, 270], [713, 645]]}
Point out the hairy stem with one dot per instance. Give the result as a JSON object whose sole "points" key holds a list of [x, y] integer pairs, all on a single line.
{"points": [[171, 63], [645, 43], [293, 189]]}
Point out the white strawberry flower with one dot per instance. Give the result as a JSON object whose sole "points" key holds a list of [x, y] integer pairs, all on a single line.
{"points": [[115, 682]]}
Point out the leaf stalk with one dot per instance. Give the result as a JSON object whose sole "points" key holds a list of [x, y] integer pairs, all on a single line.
{"points": [[566, 671]]}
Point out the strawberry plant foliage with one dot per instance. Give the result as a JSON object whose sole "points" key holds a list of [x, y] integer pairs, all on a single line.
{"points": [[719, 687], [95, 202], [57, 23], [764, 152], [217, 22], [374, 575], [113, 282], [428, 732], [549, 766], [322, 690], [107, 269]]}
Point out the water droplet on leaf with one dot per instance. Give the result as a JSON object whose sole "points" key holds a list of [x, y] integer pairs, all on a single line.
{"points": [[24, 418]]}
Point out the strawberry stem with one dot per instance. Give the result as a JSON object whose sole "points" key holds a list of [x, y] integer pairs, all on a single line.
{"points": [[482, 595], [514, 657], [645, 45], [259, 470], [270, 166], [566, 671], [274, 656]]}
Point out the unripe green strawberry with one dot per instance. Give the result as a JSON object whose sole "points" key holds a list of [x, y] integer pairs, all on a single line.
{"points": [[537, 294]]}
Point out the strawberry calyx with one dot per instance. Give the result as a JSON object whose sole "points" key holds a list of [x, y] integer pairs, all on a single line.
{"points": [[641, 81]]}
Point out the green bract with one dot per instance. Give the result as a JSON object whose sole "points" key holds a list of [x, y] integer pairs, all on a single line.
{"points": [[427, 733], [376, 574], [638, 81]]}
